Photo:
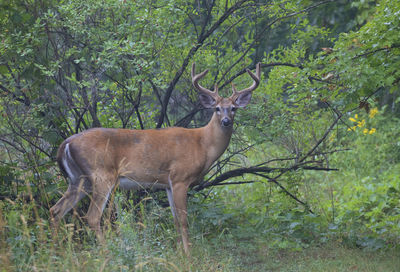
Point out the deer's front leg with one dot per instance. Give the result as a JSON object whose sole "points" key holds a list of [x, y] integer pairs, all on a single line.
{"points": [[177, 197]]}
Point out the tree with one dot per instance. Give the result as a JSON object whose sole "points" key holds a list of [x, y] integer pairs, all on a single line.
{"points": [[69, 66]]}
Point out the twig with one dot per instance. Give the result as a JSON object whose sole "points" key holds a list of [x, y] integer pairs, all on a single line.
{"points": [[286, 191]]}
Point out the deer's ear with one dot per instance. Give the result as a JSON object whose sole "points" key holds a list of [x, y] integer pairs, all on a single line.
{"points": [[207, 101], [243, 99]]}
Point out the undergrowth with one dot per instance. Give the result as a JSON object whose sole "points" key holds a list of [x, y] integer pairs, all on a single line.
{"points": [[143, 238], [354, 225]]}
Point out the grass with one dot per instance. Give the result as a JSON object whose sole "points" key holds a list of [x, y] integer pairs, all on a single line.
{"points": [[88, 256], [329, 257], [147, 243]]}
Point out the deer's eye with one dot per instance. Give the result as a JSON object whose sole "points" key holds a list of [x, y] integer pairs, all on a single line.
{"points": [[233, 109], [218, 109]]}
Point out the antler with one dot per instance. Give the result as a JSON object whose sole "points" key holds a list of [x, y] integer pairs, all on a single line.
{"points": [[256, 82], [196, 78]]}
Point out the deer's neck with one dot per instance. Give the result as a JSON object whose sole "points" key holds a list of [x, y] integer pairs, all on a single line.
{"points": [[216, 138]]}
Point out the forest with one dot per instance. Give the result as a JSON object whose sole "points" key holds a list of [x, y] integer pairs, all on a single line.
{"points": [[309, 182]]}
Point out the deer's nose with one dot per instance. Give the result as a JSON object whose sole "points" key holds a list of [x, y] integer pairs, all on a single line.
{"points": [[226, 122]]}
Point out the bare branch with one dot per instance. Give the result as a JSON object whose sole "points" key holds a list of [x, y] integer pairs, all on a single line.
{"points": [[286, 191], [190, 54], [321, 139], [262, 32], [239, 172]]}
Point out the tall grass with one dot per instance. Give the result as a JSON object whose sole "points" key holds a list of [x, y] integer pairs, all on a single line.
{"points": [[143, 238]]}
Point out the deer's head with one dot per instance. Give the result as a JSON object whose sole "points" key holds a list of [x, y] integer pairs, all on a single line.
{"points": [[225, 108]]}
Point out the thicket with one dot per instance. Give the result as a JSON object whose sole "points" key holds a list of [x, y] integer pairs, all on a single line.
{"points": [[314, 158]]}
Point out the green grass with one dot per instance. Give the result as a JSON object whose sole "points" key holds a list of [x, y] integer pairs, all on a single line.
{"points": [[29, 245], [75, 256], [329, 257]]}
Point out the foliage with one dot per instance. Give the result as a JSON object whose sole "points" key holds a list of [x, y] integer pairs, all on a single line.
{"points": [[317, 147], [368, 198]]}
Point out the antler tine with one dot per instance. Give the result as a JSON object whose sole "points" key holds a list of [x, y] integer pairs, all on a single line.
{"points": [[196, 78], [256, 81]]}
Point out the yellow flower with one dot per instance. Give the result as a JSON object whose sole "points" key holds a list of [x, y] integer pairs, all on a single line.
{"points": [[365, 131], [372, 131], [373, 112], [352, 128], [361, 123], [354, 119]]}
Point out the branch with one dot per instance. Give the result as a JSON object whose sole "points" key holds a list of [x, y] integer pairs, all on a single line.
{"points": [[261, 35], [221, 163], [375, 51], [184, 121], [260, 171], [237, 182], [155, 90], [339, 116], [137, 104], [190, 54], [287, 192], [239, 172], [13, 144], [26, 100], [252, 67]]}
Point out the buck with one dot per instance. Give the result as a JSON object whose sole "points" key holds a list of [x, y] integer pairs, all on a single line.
{"points": [[98, 159]]}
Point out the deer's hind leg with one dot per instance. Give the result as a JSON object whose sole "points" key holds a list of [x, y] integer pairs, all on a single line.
{"points": [[77, 189]]}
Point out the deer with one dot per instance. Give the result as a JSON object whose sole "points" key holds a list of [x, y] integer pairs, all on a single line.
{"points": [[97, 160]]}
